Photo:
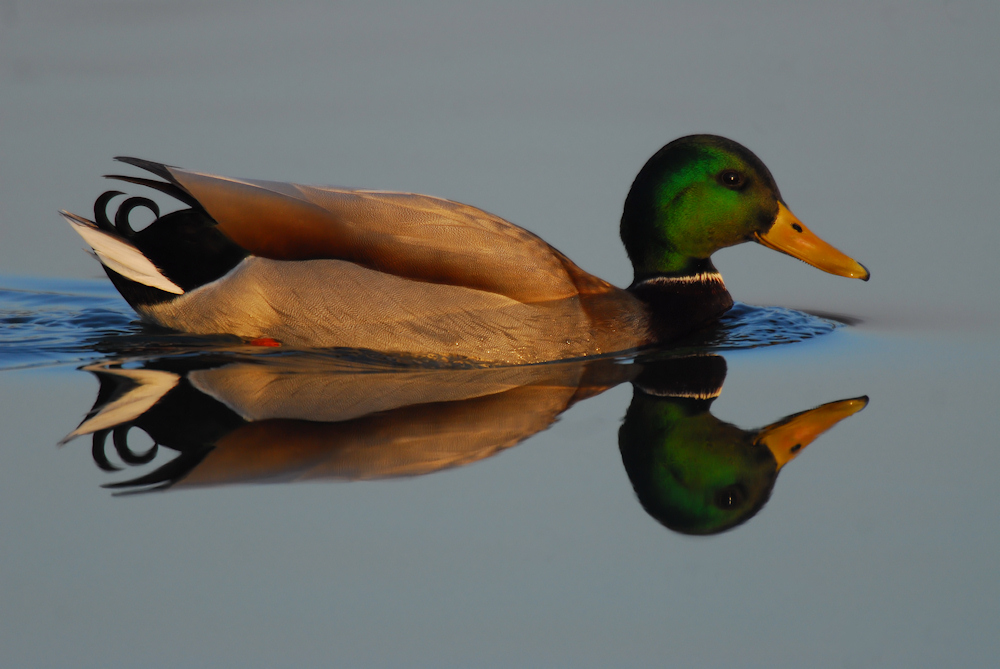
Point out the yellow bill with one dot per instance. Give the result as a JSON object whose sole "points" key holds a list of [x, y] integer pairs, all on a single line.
{"points": [[788, 235], [790, 435]]}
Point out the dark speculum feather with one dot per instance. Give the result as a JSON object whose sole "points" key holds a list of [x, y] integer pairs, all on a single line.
{"points": [[135, 293], [185, 245], [164, 187], [101, 210], [97, 452], [125, 452], [167, 475], [159, 169], [188, 246], [121, 217]]}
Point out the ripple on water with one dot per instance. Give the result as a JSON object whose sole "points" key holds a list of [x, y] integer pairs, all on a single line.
{"points": [[60, 321], [746, 326], [50, 321]]}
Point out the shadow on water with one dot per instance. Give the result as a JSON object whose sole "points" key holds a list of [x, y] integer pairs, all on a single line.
{"points": [[181, 411]]}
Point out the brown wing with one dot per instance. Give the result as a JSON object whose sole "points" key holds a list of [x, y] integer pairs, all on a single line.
{"points": [[408, 235]]}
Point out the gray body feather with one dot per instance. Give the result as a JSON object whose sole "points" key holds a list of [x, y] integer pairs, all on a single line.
{"points": [[328, 303]]}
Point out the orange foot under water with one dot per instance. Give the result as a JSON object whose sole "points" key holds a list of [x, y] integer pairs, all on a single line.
{"points": [[265, 341]]}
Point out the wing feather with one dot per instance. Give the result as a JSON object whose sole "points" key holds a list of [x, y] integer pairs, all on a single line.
{"points": [[413, 236]]}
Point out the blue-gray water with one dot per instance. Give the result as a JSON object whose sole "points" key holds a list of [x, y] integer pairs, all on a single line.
{"points": [[879, 545]]}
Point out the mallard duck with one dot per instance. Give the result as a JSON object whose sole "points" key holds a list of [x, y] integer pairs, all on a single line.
{"points": [[305, 266]]}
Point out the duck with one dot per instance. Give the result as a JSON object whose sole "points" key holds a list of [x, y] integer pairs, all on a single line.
{"points": [[306, 267]]}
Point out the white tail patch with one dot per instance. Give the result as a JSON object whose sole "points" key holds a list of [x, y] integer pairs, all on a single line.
{"points": [[120, 256]]}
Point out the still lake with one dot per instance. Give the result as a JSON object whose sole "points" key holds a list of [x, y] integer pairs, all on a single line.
{"points": [[230, 507]]}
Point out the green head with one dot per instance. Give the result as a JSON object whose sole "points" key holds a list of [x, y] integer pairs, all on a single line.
{"points": [[702, 193]]}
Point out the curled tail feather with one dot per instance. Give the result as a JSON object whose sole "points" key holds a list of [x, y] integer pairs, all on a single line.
{"points": [[175, 254]]}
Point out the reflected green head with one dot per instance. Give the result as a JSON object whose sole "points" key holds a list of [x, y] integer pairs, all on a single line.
{"points": [[691, 471], [696, 195]]}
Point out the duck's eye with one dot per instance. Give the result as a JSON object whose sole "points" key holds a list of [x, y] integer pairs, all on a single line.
{"points": [[730, 496], [731, 179]]}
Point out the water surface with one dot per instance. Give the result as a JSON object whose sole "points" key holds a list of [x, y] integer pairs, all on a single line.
{"points": [[534, 496]]}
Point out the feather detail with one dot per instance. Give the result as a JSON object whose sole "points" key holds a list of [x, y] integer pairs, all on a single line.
{"points": [[146, 388], [120, 256]]}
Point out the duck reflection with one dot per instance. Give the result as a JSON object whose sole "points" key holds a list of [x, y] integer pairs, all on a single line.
{"points": [[256, 419], [241, 418], [695, 473]]}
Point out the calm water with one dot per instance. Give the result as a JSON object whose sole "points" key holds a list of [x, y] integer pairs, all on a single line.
{"points": [[220, 505], [489, 505]]}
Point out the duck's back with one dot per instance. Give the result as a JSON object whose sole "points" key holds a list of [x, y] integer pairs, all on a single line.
{"points": [[404, 234]]}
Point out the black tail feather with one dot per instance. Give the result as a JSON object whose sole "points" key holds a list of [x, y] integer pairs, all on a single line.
{"points": [[135, 293], [170, 189], [122, 224], [101, 210], [186, 245], [159, 169]]}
